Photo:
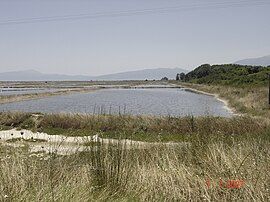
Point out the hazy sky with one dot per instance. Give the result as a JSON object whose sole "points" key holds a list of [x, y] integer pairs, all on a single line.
{"points": [[198, 32]]}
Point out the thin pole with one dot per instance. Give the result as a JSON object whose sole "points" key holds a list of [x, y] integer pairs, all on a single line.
{"points": [[269, 89]]}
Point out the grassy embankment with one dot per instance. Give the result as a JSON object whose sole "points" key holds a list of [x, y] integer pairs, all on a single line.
{"points": [[248, 100]]}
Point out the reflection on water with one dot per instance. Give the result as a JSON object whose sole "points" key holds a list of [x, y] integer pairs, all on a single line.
{"points": [[174, 102]]}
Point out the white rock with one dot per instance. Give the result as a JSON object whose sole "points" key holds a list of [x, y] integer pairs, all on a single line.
{"points": [[96, 138]]}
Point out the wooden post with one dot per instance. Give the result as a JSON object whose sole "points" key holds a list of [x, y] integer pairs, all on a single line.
{"points": [[269, 90]]}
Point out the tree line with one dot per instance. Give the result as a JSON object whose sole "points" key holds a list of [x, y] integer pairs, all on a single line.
{"points": [[227, 74]]}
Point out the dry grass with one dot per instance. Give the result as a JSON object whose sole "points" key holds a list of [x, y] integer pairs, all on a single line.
{"points": [[159, 173]]}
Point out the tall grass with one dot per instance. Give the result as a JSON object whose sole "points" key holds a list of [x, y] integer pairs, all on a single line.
{"points": [[12, 120], [150, 128], [155, 173], [143, 128]]}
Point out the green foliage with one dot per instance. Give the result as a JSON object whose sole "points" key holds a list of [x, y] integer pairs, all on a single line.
{"points": [[182, 76], [229, 74], [177, 77]]}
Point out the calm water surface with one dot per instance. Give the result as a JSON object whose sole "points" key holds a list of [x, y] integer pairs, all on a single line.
{"points": [[174, 102]]}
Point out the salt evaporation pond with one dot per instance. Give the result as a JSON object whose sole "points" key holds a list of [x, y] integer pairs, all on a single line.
{"points": [[173, 102]]}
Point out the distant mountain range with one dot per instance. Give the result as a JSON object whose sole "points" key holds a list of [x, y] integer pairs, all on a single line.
{"points": [[32, 75], [261, 61], [150, 74], [143, 74]]}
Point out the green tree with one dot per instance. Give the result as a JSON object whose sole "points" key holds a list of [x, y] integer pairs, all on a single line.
{"points": [[182, 76], [177, 77]]}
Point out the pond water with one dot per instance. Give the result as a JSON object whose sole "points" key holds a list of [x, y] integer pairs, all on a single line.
{"points": [[173, 102], [20, 91]]}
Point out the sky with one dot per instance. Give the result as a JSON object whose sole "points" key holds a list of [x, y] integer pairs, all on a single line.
{"points": [[185, 34]]}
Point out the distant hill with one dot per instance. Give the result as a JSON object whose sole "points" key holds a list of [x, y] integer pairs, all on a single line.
{"points": [[261, 61], [143, 74], [229, 74], [32, 75]]}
